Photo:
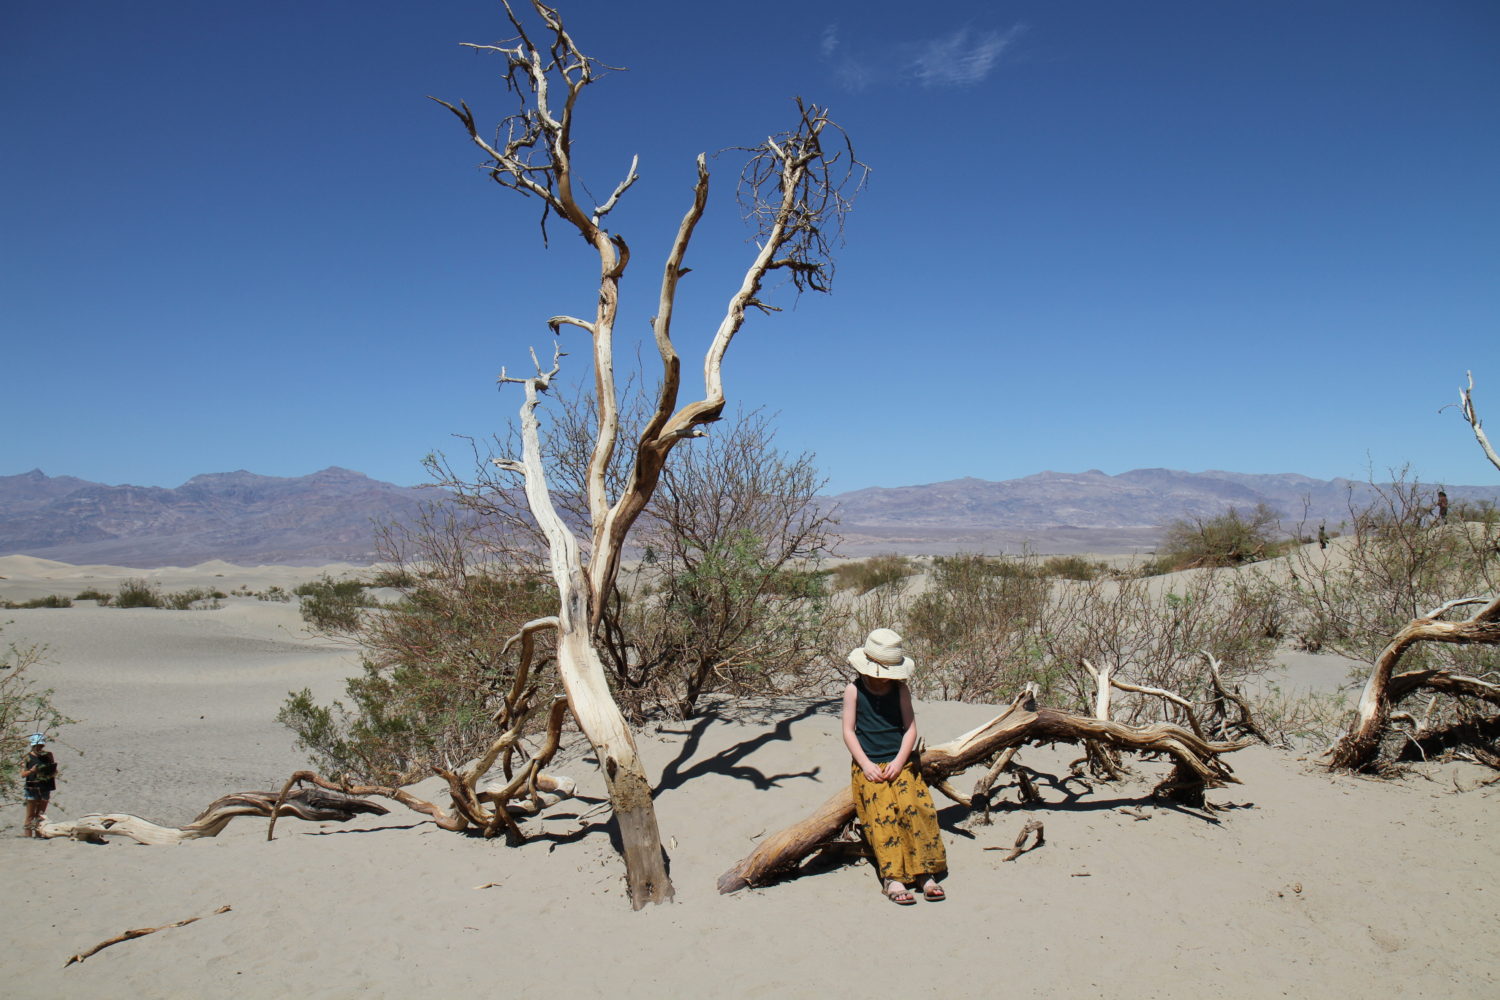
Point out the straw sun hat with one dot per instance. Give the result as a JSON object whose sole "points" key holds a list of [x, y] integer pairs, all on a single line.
{"points": [[882, 657]]}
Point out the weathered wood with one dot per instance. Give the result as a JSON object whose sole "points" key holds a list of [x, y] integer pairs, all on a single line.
{"points": [[312, 804], [1022, 722], [138, 932], [1357, 748], [1032, 826], [1471, 415]]}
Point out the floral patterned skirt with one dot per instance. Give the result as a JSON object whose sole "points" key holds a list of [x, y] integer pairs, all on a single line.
{"points": [[900, 824]]}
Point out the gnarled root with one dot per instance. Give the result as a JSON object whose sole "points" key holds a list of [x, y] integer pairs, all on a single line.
{"points": [[1023, 722], [311, 804]]}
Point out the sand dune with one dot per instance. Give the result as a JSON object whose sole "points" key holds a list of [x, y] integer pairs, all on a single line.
{"points": [[1313, 886]]}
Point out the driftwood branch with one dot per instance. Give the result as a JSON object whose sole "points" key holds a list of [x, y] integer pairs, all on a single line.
{"points": [[1246, 722], [139, 932], [1357, 749], [1197, 766], [1165, 695], [1020, 848], [439, 816], [311, 804]]}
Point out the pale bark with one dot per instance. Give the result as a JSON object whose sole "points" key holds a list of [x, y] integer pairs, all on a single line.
{"points": [[1357, 749], [1466, 407], [311, 804], [1165, 695]]}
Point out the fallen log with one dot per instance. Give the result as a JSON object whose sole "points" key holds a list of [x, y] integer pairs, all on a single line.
{"points": [[1197, 763], [312, 804]]}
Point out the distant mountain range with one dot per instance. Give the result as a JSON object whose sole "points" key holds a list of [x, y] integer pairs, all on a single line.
{"points": [[1087, 511], [236, 516], [328, 516]]}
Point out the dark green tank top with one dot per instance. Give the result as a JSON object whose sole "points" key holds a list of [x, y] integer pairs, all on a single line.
{"points": [[877, 722]]}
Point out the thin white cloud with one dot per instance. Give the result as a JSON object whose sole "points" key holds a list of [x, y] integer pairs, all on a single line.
{"points": [[960, 59], [830, 41]]}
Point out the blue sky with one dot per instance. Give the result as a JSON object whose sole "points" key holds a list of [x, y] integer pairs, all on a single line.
{"points": [[1258, 237]]}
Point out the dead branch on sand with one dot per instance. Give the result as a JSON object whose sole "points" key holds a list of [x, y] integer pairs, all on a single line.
{"points": [[1020, 848], [138, 932], [1197, 767], [311, 804], [1359, 748]]}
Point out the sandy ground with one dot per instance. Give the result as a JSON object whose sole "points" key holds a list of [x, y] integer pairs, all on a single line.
{"points": [[1313, 886]]}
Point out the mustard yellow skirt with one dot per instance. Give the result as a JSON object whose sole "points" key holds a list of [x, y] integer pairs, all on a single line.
{"points": [[900, 824]]}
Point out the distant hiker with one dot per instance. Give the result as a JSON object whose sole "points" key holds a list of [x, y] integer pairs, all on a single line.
{"points": [[1442, 505], [1322, 536], [39, 771], [890, 796]]}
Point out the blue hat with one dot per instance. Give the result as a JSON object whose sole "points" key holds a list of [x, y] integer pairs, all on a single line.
{"points": [[37, 739]]}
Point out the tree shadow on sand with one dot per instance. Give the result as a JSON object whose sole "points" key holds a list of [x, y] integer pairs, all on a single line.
{"points": [[727, 762]]}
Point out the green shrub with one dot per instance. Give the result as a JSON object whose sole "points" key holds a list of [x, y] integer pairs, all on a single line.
{"points": [[92, 594], [138, 592], [432, 675], [1231, 539], [1073, 568], [863, 576], [24, 709], [183, 600], [331, 605], [398, 577], [50, 601], [273, 593]]}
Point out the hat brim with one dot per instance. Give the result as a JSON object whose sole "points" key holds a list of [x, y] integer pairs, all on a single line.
{"points": [[881, 671]]}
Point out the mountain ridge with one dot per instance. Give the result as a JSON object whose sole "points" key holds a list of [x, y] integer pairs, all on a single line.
{"points": [[328, 515]]}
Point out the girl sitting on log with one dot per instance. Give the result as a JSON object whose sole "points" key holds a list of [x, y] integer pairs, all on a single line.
{"points": [[890, 796]]}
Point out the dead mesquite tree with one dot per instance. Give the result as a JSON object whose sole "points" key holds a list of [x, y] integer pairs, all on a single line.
{"points": [[795, 188]]}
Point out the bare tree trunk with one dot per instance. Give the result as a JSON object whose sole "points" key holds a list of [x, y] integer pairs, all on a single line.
{"points": [[1358, 748], [602, 722]]}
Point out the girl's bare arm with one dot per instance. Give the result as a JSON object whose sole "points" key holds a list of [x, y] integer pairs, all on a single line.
{"points": [[852, 742]]}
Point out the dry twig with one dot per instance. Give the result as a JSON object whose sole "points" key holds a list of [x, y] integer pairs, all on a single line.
{"points": [[131, 935]]}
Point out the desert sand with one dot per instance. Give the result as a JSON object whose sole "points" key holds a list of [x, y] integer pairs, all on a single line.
{"points": [[1311, 886]]}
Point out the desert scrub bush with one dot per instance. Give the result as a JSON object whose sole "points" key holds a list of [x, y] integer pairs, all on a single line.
{"points": [[330, 605], [273, 593], [864, 575], [1231, 539], [739, 602], [92, 594], [395, 577], [49, 601], [1302, 720], [24, 709], [433, 668], [1073, 568], [1397, 563], [138, 592], [975, 628], [188, 600]]}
